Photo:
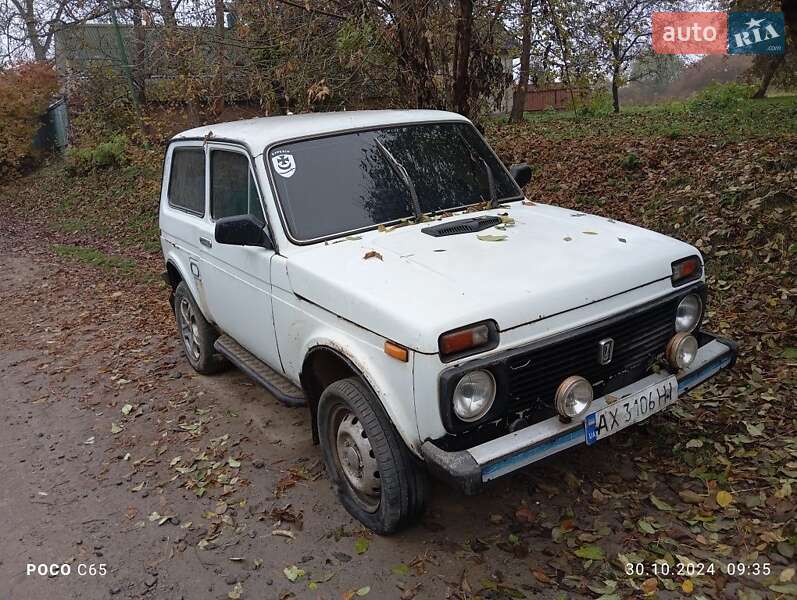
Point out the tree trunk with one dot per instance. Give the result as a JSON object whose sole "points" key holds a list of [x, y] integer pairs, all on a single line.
{"points": [[416, 68], [615, 94], [167, 12], [39, 51], [769, 72], [616, 77], [218, 84], [519, 97], [139, 76], [789, 10], [462, 57]]}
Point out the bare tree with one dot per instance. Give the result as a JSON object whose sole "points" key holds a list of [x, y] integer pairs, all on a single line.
{"points": [[622, 31], [39, 25]]}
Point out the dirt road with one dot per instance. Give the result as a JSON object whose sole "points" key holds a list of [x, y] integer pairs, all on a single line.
{"points": [[114, 453]]}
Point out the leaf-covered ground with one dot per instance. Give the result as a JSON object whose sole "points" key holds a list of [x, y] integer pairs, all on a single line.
{"points": [[708, 483]]}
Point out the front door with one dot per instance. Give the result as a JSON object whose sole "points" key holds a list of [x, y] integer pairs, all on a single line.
{"points": [[237, 278]]}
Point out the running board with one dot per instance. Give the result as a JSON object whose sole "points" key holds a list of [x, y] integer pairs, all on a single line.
{"points": [[277, 385]]}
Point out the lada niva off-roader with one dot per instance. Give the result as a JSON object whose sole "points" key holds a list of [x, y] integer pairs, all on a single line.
{"points": [[384, 269]]}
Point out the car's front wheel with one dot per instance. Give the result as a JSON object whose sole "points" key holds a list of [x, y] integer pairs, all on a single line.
{"points": [[196, 333], [377, 479]]}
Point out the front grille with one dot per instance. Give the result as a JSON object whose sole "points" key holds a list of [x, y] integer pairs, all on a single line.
{"points": [[533, 376]]}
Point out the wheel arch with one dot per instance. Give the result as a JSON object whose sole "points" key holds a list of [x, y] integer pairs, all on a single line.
{"points": [[326, 362], [178, 270]]}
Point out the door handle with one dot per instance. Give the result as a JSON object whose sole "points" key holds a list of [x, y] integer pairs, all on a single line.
{"points": [[206, 242]]}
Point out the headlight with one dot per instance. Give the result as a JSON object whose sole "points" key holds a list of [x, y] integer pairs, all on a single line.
{"points": [[573, 397], [688, 314], [682, 350], [474, 395]]}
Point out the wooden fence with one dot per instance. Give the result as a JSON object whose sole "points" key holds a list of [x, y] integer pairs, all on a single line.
{"points": [[553, 97]]}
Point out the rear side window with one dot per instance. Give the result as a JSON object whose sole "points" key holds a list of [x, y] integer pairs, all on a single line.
{"points": [[187, 180], [232, 186]]}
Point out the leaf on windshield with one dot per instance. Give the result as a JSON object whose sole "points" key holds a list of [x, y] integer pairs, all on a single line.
{"points": [[372, 254], [491, 238]]}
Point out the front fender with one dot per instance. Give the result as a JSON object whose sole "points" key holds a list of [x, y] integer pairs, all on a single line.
{"points": [[390, 380]]}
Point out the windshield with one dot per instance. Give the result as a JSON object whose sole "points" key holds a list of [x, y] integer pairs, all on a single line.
{"points": [[341, 183]]}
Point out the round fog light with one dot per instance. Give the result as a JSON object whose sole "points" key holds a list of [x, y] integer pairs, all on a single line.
{"points": [[573, 397], [682, 350], [474, 395], [688, 314]]}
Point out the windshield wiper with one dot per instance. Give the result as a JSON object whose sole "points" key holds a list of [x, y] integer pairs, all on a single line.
{"points": [[403, 175], [490, 184], [473, 154]]}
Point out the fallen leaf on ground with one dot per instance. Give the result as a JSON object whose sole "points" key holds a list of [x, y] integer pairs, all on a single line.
{"points": [[293, 572], [590, 552], [724, 499], [361, 545]]}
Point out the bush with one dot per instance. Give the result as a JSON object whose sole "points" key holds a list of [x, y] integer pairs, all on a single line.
{"points": [[630, 162], [25, 93], [112, 153], [720, 96], [598, 103]]}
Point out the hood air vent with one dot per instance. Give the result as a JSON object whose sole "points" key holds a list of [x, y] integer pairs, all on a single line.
{"points": [[462, 226]]}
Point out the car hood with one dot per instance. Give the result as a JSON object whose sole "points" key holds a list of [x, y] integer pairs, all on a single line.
{"points": [[410, 287]]}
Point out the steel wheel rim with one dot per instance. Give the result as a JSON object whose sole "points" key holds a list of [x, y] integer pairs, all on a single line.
{"points": [[189, 329], [354, 458]]}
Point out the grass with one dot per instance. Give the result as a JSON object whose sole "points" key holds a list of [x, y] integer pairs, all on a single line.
{"points": [[767, 118], [96, 258]]}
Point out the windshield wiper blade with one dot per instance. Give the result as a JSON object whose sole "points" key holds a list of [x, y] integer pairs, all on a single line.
{"points": [[490, 184], [404, 176], [476, 157]]}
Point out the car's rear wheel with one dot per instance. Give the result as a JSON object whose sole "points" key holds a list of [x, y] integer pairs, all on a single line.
{"points": [[376, 478], [196, 333]]}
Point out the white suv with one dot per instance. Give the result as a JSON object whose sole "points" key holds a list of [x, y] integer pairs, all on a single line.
{"points": [[384, 269]]}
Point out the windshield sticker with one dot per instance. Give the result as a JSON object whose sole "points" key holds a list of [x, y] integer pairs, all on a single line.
{"points": [[284, 164]]}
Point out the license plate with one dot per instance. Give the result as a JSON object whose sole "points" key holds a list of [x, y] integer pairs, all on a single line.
{"points": [[630, 409]]}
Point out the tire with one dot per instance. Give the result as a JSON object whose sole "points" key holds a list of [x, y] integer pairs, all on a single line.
{"points": [[357, 435], [196, 333]]}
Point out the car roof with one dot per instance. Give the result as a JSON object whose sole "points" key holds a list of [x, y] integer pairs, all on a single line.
{"points": [[264, 131]]}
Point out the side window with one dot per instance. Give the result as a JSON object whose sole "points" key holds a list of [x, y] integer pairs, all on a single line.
{"points": [[187, 180], [233, 190]]}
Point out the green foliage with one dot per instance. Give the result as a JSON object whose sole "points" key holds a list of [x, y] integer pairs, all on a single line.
{"points": [[721, 96], [630, 162], [759, 119], [104, 154], [598, 103], [95, 257], [354, 37]]}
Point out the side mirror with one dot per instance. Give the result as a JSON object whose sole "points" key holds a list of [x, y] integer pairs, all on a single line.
{"points": [[521, 174], [242, 230]]}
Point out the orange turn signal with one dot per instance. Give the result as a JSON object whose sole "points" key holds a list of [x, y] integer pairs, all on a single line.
{"points": [[396, 351], [687, 269], [464, 339]]}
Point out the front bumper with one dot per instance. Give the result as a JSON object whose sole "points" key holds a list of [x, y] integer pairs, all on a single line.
{"points": [[470, 469]]}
